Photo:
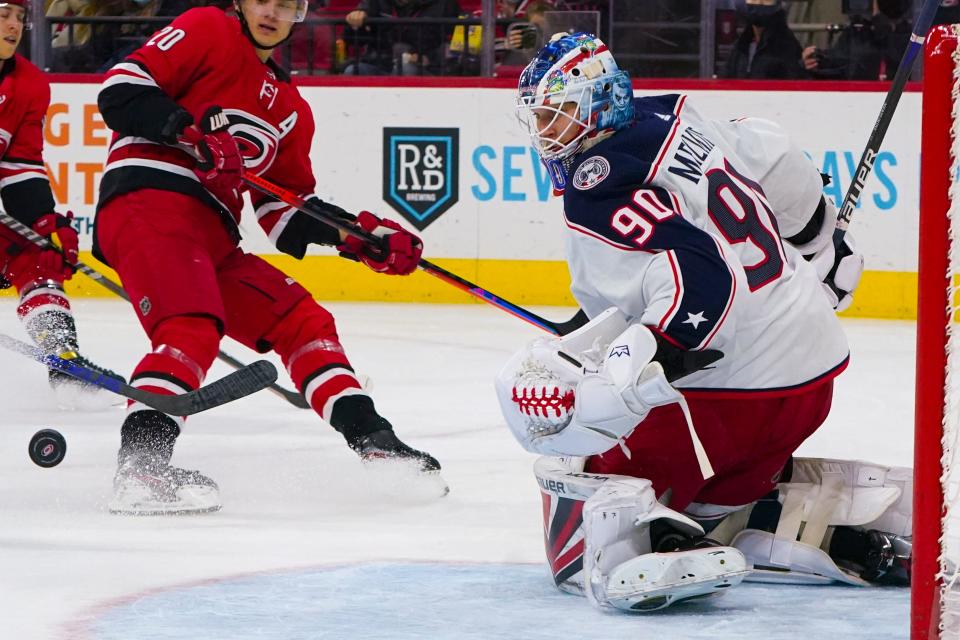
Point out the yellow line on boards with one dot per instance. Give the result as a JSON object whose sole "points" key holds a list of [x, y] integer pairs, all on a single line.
{"points": [[882, 294]]}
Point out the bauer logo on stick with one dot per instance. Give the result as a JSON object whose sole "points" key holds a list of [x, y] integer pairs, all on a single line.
{"points": [[421, 172]]}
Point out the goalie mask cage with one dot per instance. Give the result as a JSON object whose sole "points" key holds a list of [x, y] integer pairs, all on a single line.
{"points": [[935, 603]]}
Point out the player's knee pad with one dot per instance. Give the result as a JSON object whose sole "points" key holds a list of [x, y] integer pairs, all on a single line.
{"points": [[186, 345], [305, 322], [822, 500]]}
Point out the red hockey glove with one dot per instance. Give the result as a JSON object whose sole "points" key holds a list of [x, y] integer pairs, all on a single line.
{"points": [[399, 250], [220, 167], [58, 228]]}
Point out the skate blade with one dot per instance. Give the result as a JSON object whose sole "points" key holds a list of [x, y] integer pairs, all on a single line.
{"points": [[122, 511], [655, 581], [405, 480], [193, 501]]}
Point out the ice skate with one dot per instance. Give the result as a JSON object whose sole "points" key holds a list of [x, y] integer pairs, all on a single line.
{"points": [[58, 378], [656, 580], [384, 445], [79, 395], [144, 487], [146, 484], [876, 556]]}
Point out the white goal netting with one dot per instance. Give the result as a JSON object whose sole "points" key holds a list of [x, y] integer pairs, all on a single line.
{"points": [[936, 575]]}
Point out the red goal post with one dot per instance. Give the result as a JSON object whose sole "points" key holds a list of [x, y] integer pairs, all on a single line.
{"points": [[935, 603]]}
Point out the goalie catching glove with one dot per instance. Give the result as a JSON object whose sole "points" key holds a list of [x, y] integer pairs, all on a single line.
{"points": [[555, 407], [398, 252]]}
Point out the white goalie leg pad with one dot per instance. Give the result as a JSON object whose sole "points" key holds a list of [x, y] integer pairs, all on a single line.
{"points": [[565, 488], [621, 571], [875, 496], [823, 494]]}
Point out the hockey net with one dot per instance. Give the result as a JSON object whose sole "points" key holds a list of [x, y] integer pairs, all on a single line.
{"points": [[936, 560]]}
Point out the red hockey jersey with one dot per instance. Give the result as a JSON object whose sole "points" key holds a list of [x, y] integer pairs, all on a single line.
{"points": [[203, 59], [24, 98]]}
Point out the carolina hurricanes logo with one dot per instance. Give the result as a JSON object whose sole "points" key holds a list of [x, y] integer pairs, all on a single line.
{"points": [[258, 140]]}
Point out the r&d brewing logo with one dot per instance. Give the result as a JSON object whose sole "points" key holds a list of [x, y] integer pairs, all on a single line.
{"points": [[421, 172]]}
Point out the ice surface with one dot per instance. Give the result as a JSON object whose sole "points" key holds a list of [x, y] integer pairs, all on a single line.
{"points": [[308, 545]]}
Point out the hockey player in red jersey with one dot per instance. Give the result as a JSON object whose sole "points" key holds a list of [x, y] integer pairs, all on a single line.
{"points": [[37, 274], [192, 110], [700, 250]]}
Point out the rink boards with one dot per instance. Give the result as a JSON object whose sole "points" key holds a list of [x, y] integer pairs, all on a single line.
{"points": [[453, 162]]}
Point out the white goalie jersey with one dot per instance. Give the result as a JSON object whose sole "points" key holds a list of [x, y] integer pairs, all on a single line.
{"points": [[677, 221]]}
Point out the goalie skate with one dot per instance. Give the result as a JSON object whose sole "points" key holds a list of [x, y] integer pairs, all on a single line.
{"points": [[656, 580], [144, 489]]}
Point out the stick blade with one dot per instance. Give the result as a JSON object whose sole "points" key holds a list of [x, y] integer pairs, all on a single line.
{"points": [[254, 377], [233, 386]]}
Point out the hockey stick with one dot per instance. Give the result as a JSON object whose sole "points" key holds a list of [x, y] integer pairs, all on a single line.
{"points": [[240, 383], [26, 232], [292, 199], [920, 28]]}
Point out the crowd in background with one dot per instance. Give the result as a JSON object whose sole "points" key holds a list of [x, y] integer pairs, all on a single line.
{"points": [[423, 37]]}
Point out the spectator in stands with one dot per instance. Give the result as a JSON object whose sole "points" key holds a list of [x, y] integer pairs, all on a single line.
{"points": [[525, 38], [69, 42], [400, 49], [869, 48], [99, 47], [766, 49]]}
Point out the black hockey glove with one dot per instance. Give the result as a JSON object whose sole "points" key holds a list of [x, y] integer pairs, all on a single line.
{"points": [[303, 230]]}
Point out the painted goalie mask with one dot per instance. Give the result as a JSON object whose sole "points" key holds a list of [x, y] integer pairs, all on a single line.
{"points": [[570, 92]]}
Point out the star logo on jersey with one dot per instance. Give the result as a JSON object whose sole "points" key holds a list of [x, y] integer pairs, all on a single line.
{"points": [[421, 173], [694, 319], [591, 172]]}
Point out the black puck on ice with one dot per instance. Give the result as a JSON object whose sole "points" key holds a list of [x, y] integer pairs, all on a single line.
{"points": [[47, 448]]}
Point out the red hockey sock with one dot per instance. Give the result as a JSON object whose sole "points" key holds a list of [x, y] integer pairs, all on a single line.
{"points": [[306, 339], [183, 350], [44, 310]]}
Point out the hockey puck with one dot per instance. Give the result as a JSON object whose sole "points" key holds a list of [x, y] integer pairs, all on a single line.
{"points": [[47, 448]]}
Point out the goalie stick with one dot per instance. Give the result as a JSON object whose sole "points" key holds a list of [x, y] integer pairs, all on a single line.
{"points": [[26, 232], [920, 28], [295, 201], [240, 383]]}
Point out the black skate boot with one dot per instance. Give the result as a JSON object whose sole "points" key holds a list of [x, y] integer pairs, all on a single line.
{"points": [[384, 445], [876, 556], [146, 483], [371, 435]]}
